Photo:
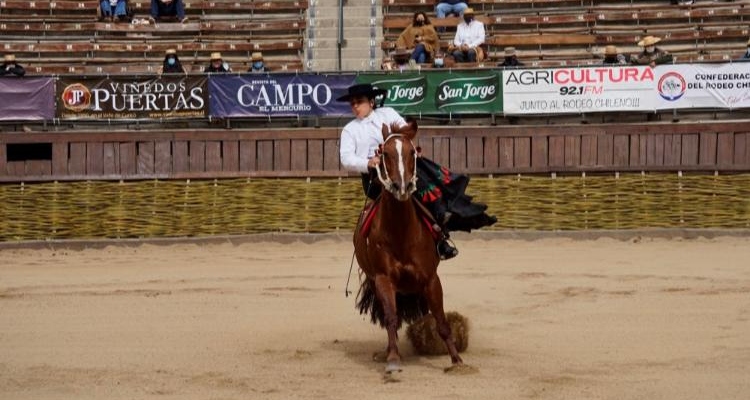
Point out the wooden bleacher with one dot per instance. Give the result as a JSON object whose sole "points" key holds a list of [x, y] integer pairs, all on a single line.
{"points": [[65, 36], [570, 32]]}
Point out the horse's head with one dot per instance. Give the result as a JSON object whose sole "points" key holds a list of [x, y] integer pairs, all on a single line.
{"points": [[398, 160]]}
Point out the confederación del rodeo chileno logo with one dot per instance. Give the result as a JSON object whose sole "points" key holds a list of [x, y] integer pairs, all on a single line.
{"points": [[76, 97], [671, 86]]}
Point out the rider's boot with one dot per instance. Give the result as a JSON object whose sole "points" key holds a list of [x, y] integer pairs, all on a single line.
{"points": [[445, 248]]}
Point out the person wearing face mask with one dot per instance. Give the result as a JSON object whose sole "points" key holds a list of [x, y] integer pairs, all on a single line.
{"points": [[171, 64], [421, 37], [651, 55], [10, 67], [469, 36], [613, 57], [256, 63], [511, 58], [217, 65], [746, 56]]}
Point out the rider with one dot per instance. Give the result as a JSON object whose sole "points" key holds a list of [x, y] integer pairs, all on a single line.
{"points": [[362, 136]]}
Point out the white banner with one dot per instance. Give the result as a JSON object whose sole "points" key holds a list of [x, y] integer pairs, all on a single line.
{"points": [[579, 90], [703, 85]]}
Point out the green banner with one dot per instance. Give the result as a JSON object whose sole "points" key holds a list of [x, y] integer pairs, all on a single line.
{"points": [[439, 92]]}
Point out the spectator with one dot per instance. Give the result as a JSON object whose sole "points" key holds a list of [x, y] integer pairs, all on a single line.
{"points": [[651, 55], [11, 67], [167, 9], [403, 60], [257, 65], [511, 58], [217, 64], [114, 10], [171, 64], [469, 36], [445, 7], [612, 56], [420, 36], [746, 56]]}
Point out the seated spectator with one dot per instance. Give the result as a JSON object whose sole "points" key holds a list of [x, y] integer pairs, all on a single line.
{"points": [[217, 64], [114, 10], [257, 65], [511, 58], [400, 60], [167, 9], [439, 59], [171, 64], [469, 36], [746, 56], [651, 55], [612, 56], [445, 7], [421, 37], [11, 67]]}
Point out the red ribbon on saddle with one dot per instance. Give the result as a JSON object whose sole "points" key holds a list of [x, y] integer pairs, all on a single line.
{"points": [[373, 208]]}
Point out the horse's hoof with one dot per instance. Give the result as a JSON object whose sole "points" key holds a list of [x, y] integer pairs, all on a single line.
{"points": [[461, 369], [392, 367]]}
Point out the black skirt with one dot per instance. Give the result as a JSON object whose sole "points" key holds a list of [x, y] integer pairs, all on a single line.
{"points": [[444, 194]]}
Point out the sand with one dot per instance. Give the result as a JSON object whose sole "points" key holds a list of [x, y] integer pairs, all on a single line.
{"points": [[551, 318]]}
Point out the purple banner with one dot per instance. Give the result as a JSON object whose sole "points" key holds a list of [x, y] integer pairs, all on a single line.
{"points": [[27, 99], [252, 95], [123, 97]]}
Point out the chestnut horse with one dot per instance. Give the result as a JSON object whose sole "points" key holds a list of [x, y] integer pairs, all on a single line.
{"points": [[398, 255]]}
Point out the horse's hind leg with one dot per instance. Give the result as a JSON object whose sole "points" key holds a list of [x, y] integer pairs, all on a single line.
{"points": [[434, 295], [387, 295]]}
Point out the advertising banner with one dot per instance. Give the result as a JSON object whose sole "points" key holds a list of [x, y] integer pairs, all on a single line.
{"points": [[703, 85], [132, 97], [453, 92], [27, 99], [579, 90], [252, 95]]}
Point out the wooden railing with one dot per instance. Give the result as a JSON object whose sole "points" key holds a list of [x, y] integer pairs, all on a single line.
{"points": [[715, 146]]}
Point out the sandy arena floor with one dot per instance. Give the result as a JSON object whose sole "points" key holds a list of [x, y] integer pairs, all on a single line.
{"points": [[551, 319]]}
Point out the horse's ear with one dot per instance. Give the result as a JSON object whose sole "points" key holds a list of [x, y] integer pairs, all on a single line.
{"points": [[410, 130], [386, 132]]}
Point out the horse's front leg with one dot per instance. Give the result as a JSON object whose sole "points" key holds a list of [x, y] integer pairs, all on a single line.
{"points": [[387, 295], [434, 295]]}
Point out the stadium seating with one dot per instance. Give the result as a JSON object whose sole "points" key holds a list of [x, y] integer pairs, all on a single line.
{"points": [[575, 32], [62, 36]]}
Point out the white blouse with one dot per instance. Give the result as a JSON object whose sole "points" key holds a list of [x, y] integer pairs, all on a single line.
{"points": [[471, 34], [361, 137]]}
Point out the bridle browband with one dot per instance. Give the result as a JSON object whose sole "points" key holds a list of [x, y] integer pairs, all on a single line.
{"points": [[387, 182]]}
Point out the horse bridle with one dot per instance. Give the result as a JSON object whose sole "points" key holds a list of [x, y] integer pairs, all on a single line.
{"points": [[387, 182]]}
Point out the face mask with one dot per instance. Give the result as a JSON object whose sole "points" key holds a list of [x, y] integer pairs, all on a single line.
{"points": [[438, 62], [171, 61], [258, 65], [650, 49], [468, 19], [419, 22]]}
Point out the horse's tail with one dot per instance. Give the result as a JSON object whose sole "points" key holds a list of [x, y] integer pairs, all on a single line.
{"points": [[409, 307]]}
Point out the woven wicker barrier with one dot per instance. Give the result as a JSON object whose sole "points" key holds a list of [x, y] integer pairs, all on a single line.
{"points": [[98, 209]]}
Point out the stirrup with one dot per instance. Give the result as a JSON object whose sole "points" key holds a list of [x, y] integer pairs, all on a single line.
{"points": [[446, 249]]}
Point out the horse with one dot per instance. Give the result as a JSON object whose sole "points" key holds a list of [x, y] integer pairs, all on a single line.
{"points": [[397, 254]]}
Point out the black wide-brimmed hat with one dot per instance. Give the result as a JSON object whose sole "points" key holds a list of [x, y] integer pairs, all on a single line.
{"points": [[362, 89]]}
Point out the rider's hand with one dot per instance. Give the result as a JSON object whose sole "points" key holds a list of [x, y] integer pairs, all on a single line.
{"points": [[373, 162]]}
